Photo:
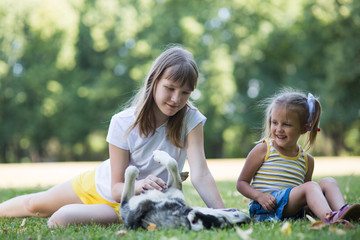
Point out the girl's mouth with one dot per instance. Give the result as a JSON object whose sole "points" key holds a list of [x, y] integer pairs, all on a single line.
{"points": [[172, 106]]}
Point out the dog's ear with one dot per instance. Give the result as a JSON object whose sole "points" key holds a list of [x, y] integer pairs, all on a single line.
{"points": [[184, 176]]}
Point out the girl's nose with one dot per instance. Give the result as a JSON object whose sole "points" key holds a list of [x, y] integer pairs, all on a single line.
{"points": [[175, 97]]}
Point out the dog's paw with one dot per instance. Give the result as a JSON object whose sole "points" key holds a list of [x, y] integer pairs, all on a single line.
{"points": [[161, 156], [195, 222], [131, 171]]}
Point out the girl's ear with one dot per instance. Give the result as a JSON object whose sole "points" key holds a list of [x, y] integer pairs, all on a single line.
{"points": [[305, 128]]}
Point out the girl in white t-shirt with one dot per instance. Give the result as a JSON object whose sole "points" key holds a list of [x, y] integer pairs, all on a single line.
{"points": [[159, 118]]}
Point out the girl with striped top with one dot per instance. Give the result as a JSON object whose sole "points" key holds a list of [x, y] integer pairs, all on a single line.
{"points": [[277, 173]]}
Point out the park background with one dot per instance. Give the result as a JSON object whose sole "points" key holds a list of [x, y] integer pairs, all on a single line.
{"points": [[67, 66]]}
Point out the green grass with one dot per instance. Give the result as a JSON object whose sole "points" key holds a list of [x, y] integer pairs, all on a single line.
{"points": [[36, 228]]}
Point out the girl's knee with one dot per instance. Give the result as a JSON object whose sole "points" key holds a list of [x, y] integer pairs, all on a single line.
{"points": [[328, 182], [311, 185], [52, 222], [60, 218], [55, 221], [34, 206]]}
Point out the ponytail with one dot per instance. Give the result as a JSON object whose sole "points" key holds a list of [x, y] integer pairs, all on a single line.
{"points": [[314, 119]]}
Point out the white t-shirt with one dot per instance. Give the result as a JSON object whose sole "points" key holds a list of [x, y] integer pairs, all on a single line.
{"points": [[141, 148]]}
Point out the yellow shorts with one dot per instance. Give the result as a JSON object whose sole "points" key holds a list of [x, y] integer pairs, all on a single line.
{"points": [[84, 187]]}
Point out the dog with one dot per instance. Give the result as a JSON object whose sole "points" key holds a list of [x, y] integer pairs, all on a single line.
{"points": [[167, 208]]}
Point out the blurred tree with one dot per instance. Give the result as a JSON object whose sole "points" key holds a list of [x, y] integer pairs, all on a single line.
{"points": [[325, 59], [333, 55], [67, 66]]}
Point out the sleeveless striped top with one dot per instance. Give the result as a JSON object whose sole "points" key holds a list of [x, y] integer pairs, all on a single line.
{"points": [[279, 171]]}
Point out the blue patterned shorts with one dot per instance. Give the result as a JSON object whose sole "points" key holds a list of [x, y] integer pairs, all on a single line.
{"points": [[258, 213]]}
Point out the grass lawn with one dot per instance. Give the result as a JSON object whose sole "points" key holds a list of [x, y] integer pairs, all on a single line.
{"points": [[36, 228]]}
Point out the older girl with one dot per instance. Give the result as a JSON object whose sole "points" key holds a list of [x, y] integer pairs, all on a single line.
{"points": [[160, 118]]}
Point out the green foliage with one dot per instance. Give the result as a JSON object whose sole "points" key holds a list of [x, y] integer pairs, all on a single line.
{"points": [[36, 228], [67, 66]]}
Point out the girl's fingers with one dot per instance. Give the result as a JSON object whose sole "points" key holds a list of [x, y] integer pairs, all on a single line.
{"points": [[265, 208], [161, 183], [153, 184], [157, 183], [269, 206]]}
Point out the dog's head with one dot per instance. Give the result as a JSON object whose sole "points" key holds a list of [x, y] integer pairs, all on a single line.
{"points": [[206, 218]]}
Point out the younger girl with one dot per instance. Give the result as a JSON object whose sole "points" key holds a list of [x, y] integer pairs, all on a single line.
{"points": [[160, 118], [277, 172]]}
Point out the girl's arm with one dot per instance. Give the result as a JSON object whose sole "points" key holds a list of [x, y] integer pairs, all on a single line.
{"points": [[253, 162], [201, 177], [310, 168], [119, 161]]}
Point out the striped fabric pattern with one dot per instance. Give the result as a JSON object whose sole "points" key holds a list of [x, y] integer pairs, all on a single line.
{"points": [[279, 171]]}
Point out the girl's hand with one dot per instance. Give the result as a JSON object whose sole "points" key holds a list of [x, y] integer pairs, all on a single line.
{"points": [[267, 201], [149, 183]]}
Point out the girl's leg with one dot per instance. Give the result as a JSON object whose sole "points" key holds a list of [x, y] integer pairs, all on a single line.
{"points": [[83, 214], [332, 193], [311, 194], [42, 204]]}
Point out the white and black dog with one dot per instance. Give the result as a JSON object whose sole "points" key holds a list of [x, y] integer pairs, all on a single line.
{"points": [[167, 209]]}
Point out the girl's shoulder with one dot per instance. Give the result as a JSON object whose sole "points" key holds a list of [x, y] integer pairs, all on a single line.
{"points": [[128, 112], [305, 154], [191, 110], [309, 162], [309, 157], [194, 115], [126, 115], [260, 150], [124, 119], [261, 147]]}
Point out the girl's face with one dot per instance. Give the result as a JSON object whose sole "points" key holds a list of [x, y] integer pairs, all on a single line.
{"points": [[286, 129], [169, 98]]}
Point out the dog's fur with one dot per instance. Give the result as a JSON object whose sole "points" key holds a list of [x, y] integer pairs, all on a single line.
{"points": [[167, 209]]}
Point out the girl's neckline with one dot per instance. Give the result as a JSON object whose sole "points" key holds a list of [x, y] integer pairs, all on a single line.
{"points": [[295, 156], [160, 126], [163, 124]]}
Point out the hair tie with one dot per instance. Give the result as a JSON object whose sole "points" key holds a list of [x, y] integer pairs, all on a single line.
{"points": [[311, 104]]}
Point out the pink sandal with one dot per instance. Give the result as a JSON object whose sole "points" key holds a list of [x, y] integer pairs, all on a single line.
{"points": [[349, 212]]}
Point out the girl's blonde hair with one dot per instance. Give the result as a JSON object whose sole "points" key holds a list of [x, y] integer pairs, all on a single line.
{"points": [[175, 64], [294, 101]]}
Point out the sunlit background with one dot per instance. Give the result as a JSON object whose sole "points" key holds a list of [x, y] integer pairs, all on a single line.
{"points": [[66, 66]]}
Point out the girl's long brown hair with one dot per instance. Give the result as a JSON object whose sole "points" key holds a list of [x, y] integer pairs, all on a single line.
{"points": [[178, 65]]}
